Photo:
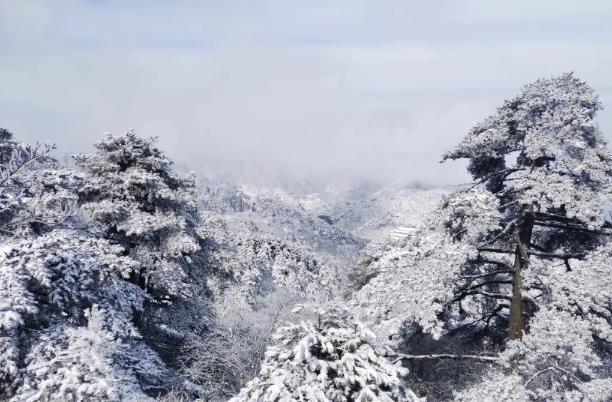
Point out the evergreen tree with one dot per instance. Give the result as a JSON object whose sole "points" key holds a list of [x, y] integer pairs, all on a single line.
{"points": [[330, 359], [544, 159], [47, 286], [30, 203], [55, 266], [94, 362], [134, 199], [512, 259], [565, 354]]}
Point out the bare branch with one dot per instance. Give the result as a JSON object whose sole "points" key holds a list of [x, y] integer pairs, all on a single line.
{"points": [[569, 227], [492, 282], [495, 250], [34, 154], [464, 294], [498, 296], [536, 375], [484, 359], [505, 173], [503, 264], [501, 271], [534, 253], [551, 368], [504, 232]]}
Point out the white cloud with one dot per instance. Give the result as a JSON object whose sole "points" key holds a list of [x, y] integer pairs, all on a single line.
{"points": [[333, 90]]}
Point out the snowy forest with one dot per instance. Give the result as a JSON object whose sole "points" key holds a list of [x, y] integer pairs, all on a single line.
{"points": [[122, 278]]}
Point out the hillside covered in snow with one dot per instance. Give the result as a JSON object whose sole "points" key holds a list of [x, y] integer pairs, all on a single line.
{"points": [[123, 279]]}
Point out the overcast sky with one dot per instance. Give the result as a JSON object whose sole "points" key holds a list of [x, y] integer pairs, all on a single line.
{"points": [[336, 90]]}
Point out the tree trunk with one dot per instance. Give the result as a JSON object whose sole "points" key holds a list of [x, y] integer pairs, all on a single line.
{"points": [[516, 325]]}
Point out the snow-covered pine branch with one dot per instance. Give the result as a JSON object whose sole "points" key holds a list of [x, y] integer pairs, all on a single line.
{"points": [[331, 358]]}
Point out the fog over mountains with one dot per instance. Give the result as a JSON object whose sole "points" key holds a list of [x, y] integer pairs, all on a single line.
{"points": [[273, 201], [340, 91]]}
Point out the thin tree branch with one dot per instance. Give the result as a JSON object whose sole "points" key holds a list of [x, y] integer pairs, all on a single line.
{"points": [[482, 293], [492, 282], [551, 368], [495, 250], [508, 227], [569, 227], [503, 264], [484, 359], [504, 172], [536, 375], [501, 271], [577, 256], [35, 156], [534, 253], [499, 308], [498, 296], [556, 217]]}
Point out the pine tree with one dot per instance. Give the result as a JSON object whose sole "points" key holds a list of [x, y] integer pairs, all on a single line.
{"points": [[134, 199], [544, 159], [47, 286], [28, 204], [516, 257], [565, 354], [87, 363], [330, 359]]}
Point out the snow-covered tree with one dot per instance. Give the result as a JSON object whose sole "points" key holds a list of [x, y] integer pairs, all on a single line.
{"points": [[48, 287], [256, 259], [331, 358], [547, 205], [31, 201], [412, 280], [565, 355], [497, 257], [16, 157], [221, 361], [122, 236], [133, 198], [543, 159], [88, 363], [270, 256]]}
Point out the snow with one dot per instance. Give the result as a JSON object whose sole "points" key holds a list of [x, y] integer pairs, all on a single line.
{"points": [[124, 280]]}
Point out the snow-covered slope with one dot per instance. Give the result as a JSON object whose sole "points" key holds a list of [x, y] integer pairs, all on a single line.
{"points": [[378, 214]]}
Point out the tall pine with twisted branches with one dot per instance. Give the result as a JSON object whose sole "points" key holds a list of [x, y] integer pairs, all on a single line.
{"points": [[544, 158]]}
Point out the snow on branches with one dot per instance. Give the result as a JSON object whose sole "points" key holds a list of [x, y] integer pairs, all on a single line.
{"points": [[133, 198], [330, 358], [543, 175], [259, 260], [48, 284], [85, 363], [33, 192], [543, 157], [544, 147], [414, 282]]}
